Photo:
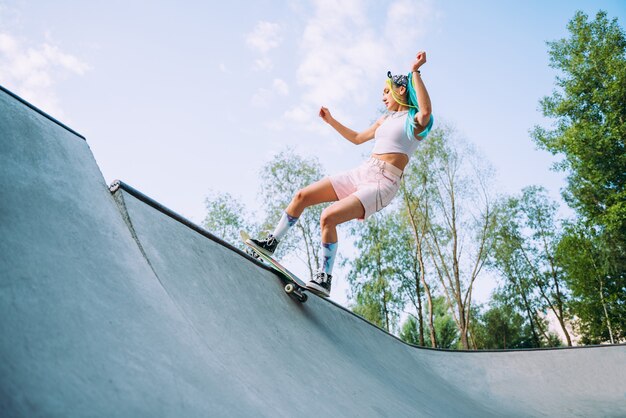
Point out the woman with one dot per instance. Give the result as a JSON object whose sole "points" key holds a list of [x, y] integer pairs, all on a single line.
{"points": [[365, 190]]}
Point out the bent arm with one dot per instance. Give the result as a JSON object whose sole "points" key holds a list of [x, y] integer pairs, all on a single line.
{"points": [[422, 117], [351, 135]]}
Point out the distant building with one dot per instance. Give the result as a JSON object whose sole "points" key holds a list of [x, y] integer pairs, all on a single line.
{"points": [[555, 327]]}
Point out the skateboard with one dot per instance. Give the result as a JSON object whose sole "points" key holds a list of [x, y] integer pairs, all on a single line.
{"points": [[294, 286]]}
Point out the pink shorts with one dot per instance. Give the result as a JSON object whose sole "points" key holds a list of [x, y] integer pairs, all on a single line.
{"points": [[374, 183]]}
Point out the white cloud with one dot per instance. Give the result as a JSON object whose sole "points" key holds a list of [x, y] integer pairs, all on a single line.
{"points": [[299, 114], [303, 117], [407, 22], [274, 125], [281, 87], [344, 52], [263, 97], [8, 45], [263, 64], [32, 71], [264, 37], [341, 56]]}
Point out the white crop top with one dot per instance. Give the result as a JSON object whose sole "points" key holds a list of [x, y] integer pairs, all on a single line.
{"points": [[391, 137]]}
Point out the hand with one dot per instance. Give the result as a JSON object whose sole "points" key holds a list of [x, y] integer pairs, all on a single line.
{"points": [[325, 114], [420, 59]]}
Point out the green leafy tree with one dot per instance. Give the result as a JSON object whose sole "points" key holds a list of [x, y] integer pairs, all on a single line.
{"points": [[409, 264], [525, 253], [414, 217], [502, 326], [375, 271], [225, 217], [376, 302], [281, 178], [508, 260], [460, 216], [598, 299], [446, 331], [589, 109], [410, 331]]}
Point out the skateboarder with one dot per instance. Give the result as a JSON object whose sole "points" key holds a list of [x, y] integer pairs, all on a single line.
{"points": [[363, 191]]}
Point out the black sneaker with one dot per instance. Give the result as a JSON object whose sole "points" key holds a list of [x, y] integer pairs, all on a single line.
{"points": [[320, 283], [267, 246]]}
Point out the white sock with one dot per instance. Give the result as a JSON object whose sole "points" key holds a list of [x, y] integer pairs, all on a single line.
{"points": [[284, 225]]}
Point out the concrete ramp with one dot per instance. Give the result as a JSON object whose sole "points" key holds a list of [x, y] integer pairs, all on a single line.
{"points": [[112, 305], [302, 359], [86, 328]]}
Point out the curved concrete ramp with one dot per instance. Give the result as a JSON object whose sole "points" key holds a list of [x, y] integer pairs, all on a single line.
{"points": [[86, 328], [111, 305]]}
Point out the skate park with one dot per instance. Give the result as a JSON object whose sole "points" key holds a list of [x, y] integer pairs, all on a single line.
{"points": [[112, 304]]}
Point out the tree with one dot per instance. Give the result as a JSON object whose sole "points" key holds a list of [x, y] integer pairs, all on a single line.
{"points": [[509, 261], [589, 108], [460, 218], [598, 299], [281, 178], [501, 326], [528, 235], [225, 217], [410, 332], [375, 271], [415, 192], [446, 332]]}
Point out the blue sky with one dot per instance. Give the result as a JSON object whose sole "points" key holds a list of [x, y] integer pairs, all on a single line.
{"points": [[179, 98]]}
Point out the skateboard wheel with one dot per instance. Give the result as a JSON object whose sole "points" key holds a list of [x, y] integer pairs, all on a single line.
{"points": [[290, 288], [303, 298]]}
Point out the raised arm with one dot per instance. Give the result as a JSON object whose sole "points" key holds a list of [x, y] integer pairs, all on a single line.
{"points": [[423, 116], [352, 136]]}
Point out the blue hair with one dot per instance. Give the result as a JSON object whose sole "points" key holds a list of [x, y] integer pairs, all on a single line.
{"points": [[410, 125]]}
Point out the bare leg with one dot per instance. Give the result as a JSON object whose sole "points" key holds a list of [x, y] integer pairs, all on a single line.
{"points": [[313, 194], [339, 212]]}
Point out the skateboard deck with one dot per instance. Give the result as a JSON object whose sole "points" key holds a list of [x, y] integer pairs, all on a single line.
{"points": [[294, 286]]}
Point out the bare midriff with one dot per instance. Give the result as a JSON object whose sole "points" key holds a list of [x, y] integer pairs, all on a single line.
{"points": [[397, 160]]}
